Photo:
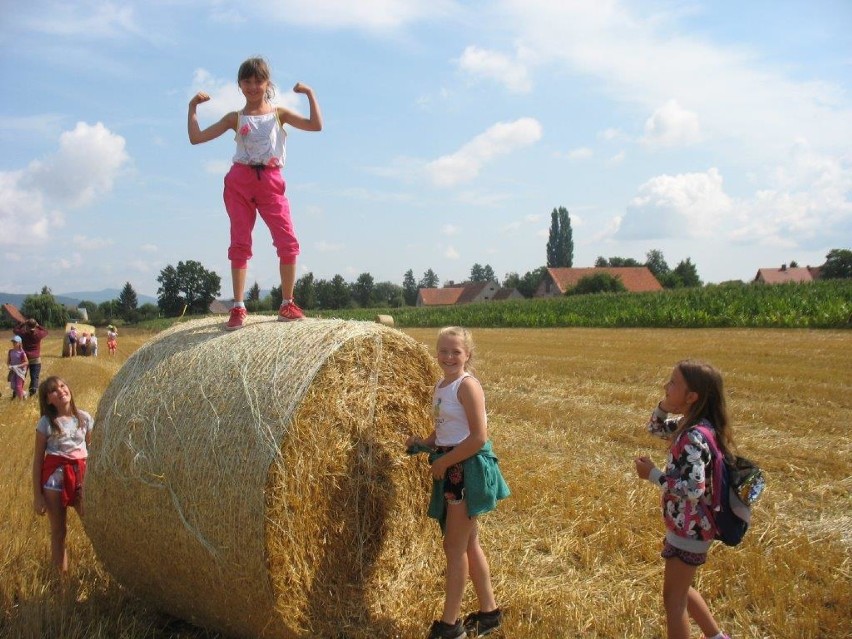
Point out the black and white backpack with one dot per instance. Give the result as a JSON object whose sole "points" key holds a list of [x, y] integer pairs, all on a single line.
{"points": [[737, 485]]}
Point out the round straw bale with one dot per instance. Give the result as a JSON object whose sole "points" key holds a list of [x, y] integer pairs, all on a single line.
{"points": [[255, 482], [386, 320]]}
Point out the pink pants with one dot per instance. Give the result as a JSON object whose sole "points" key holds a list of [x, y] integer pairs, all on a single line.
{"points": [[249, 191]]}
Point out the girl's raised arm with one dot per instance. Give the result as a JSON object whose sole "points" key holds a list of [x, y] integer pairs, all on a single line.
{"points": [[196, 134], [312, 123]]}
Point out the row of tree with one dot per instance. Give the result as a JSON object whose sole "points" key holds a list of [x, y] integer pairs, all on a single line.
{"points": [[51, 313], [189, 288]]}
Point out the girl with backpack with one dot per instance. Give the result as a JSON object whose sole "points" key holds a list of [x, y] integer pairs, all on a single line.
{"points": [[695, 393]]}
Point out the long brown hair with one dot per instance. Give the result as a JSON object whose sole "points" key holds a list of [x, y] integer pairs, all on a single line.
{"points": [[706, 381], [258, 68], [49, 410]]}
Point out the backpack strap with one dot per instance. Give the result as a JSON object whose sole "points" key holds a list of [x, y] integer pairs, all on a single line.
{"points": [[709, 434]]}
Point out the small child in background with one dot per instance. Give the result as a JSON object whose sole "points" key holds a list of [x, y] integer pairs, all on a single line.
{"points": [[112, 339], [461, 457], [72, 341], [17, 362], [93, 344], [694, 391]]}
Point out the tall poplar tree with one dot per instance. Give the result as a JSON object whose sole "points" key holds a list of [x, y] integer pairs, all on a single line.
{"points": [[409, 288], [560, 242]]}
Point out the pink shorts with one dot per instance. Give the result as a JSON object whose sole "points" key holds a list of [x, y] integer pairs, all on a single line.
{"points": [[250, 190]]}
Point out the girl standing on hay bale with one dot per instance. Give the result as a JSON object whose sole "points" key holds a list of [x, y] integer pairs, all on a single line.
{"points": [[59, 463], [466, 482], [694, 391], [255, 184]]}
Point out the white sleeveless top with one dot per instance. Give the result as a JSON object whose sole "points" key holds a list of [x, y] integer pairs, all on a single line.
{"points": [[260, 140], [451, 425]]}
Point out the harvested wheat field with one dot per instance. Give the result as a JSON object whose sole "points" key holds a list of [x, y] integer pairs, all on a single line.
{"points": [[575, 549]]}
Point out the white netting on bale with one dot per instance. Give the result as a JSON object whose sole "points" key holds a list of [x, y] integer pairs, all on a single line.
{"points": [[254, 481]]}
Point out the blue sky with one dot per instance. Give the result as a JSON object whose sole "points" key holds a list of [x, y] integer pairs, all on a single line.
{"points": [[715, 130]]}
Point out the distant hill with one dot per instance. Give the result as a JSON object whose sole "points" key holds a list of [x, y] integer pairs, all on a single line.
{"points": [[18, 298], [74, 299], [106, 295]]}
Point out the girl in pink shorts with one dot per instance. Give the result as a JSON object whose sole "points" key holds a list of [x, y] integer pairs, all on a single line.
{"points": [[255, 183]]}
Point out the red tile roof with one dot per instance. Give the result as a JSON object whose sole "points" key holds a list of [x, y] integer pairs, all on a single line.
{"points": [[464, 294], [784, 275], [439, 296], [636, 279]]}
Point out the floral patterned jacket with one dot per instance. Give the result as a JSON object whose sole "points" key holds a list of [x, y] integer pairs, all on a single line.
{"points": [[686, 481]]}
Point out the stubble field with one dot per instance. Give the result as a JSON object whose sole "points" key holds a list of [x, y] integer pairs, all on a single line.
{"points": [[575, 550]]}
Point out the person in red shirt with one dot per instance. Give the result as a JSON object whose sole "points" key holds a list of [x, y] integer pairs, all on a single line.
{"points": [[31, 334]]}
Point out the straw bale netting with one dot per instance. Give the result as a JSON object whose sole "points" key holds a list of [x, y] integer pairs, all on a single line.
{"points": [[255, 482]]}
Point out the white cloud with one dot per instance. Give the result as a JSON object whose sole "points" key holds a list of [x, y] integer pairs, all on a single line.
{"points": [[44, 125], [608, 232], [528, 221], [687, 205], [372, 195], [105, 20], [141, 266], [23, 215], [376, 15], [498, 67], [482, 198], [616, 159], [451, 253], [91, 243], [328, 247], [227, 16], [671, 125], [85, 166], [806, 201], [33, 200], [149, 248], [73, 261], [580, 153], [450, 230], [644, 60], [500, 139], [512, 227], [216, 167], [611, 134]]}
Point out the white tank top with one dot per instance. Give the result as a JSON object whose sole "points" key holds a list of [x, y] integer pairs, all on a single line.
{"points": [[260, 140], [451, 425]]}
